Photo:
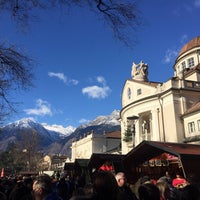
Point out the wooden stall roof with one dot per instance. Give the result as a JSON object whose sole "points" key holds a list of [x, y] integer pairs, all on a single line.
{"points": [[188, 154], [97, 159], [69, 166], [149, 149], [81, 162]]}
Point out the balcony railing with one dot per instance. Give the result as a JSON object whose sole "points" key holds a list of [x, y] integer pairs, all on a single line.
{"points": [[192, 84]]}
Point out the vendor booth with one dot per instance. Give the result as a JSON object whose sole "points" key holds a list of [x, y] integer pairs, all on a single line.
{"points": [[105, 162], [68, 168], [157, 159], [77, 169]]}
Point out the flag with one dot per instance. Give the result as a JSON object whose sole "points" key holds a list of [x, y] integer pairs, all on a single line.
{"points": [[2, 172]]}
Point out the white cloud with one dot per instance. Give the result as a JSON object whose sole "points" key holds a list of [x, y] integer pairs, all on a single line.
{"points": [[101, 79], [74, 82], [170, 55], [60, 76], [42, 108], [97, 92], [63, 78]]}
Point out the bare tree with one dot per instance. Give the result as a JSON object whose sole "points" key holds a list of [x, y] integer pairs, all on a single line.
{"points": [[15, 68], [121, 16], [15, 74]]}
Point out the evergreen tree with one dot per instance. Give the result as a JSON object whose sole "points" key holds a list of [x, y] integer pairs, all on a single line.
{"points": [[128, 135]]}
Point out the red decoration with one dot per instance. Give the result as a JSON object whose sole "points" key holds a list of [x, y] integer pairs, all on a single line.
{"points": [[105, 167]]}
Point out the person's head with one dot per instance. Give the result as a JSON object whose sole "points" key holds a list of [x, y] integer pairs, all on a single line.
{"points": [[145, 179], [189, 192], [164, 189], [88, 189], [28, 182], [148, 191], [42, 186], [20, 192], [166, 179], [105, 185], [179, 174], [120, 178]]}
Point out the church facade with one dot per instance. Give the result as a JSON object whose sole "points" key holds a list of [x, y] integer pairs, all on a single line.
{"points": [[163, 111]]}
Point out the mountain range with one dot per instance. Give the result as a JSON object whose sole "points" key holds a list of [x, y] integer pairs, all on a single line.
{"points": [[54, 139]]}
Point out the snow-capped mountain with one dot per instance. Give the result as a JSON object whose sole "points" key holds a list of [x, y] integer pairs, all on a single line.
{"points": [[99, 125], [112, 119], [54, 139], [27, 128], [62, 131]]}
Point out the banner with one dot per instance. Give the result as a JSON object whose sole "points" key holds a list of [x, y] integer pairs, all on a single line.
{"points": [[2, 172]]}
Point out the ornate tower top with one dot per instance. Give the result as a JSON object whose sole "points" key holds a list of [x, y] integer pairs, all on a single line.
{"points": [[140, 71], [188, 59]]}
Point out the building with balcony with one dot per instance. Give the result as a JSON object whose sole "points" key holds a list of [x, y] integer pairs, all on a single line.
{"points": [[163, 111]]}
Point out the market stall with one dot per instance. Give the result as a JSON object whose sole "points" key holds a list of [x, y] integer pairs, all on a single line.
{"points": [[107, 162], [155, 159]]}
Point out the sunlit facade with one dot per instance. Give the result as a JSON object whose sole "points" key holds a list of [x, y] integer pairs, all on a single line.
{"points": [[168, 111], [96, 143]]}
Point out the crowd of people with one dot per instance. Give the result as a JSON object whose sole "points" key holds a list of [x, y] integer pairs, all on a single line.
{"points": [[104, 186]]}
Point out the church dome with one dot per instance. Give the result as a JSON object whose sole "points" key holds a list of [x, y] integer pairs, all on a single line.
{"points": [[188, 58], [195, 42]]}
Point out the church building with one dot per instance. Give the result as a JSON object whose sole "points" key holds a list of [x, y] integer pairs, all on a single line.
{"points": [[163, 111]]}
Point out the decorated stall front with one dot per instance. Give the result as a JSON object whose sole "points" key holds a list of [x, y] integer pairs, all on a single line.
{"points": [[105, 162], [157, 159]]}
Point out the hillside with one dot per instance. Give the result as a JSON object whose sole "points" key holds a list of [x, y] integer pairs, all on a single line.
{"points": [[54, 140]]}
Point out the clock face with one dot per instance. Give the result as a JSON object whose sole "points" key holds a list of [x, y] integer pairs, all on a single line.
{"points": [[129, 93]]}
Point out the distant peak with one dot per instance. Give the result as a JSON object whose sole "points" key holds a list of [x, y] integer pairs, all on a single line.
{"points": [[25, 122], [108, 119], [59, 128]]}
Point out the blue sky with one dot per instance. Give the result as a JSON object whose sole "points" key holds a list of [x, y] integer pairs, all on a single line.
{"points": [[80, 68]]}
